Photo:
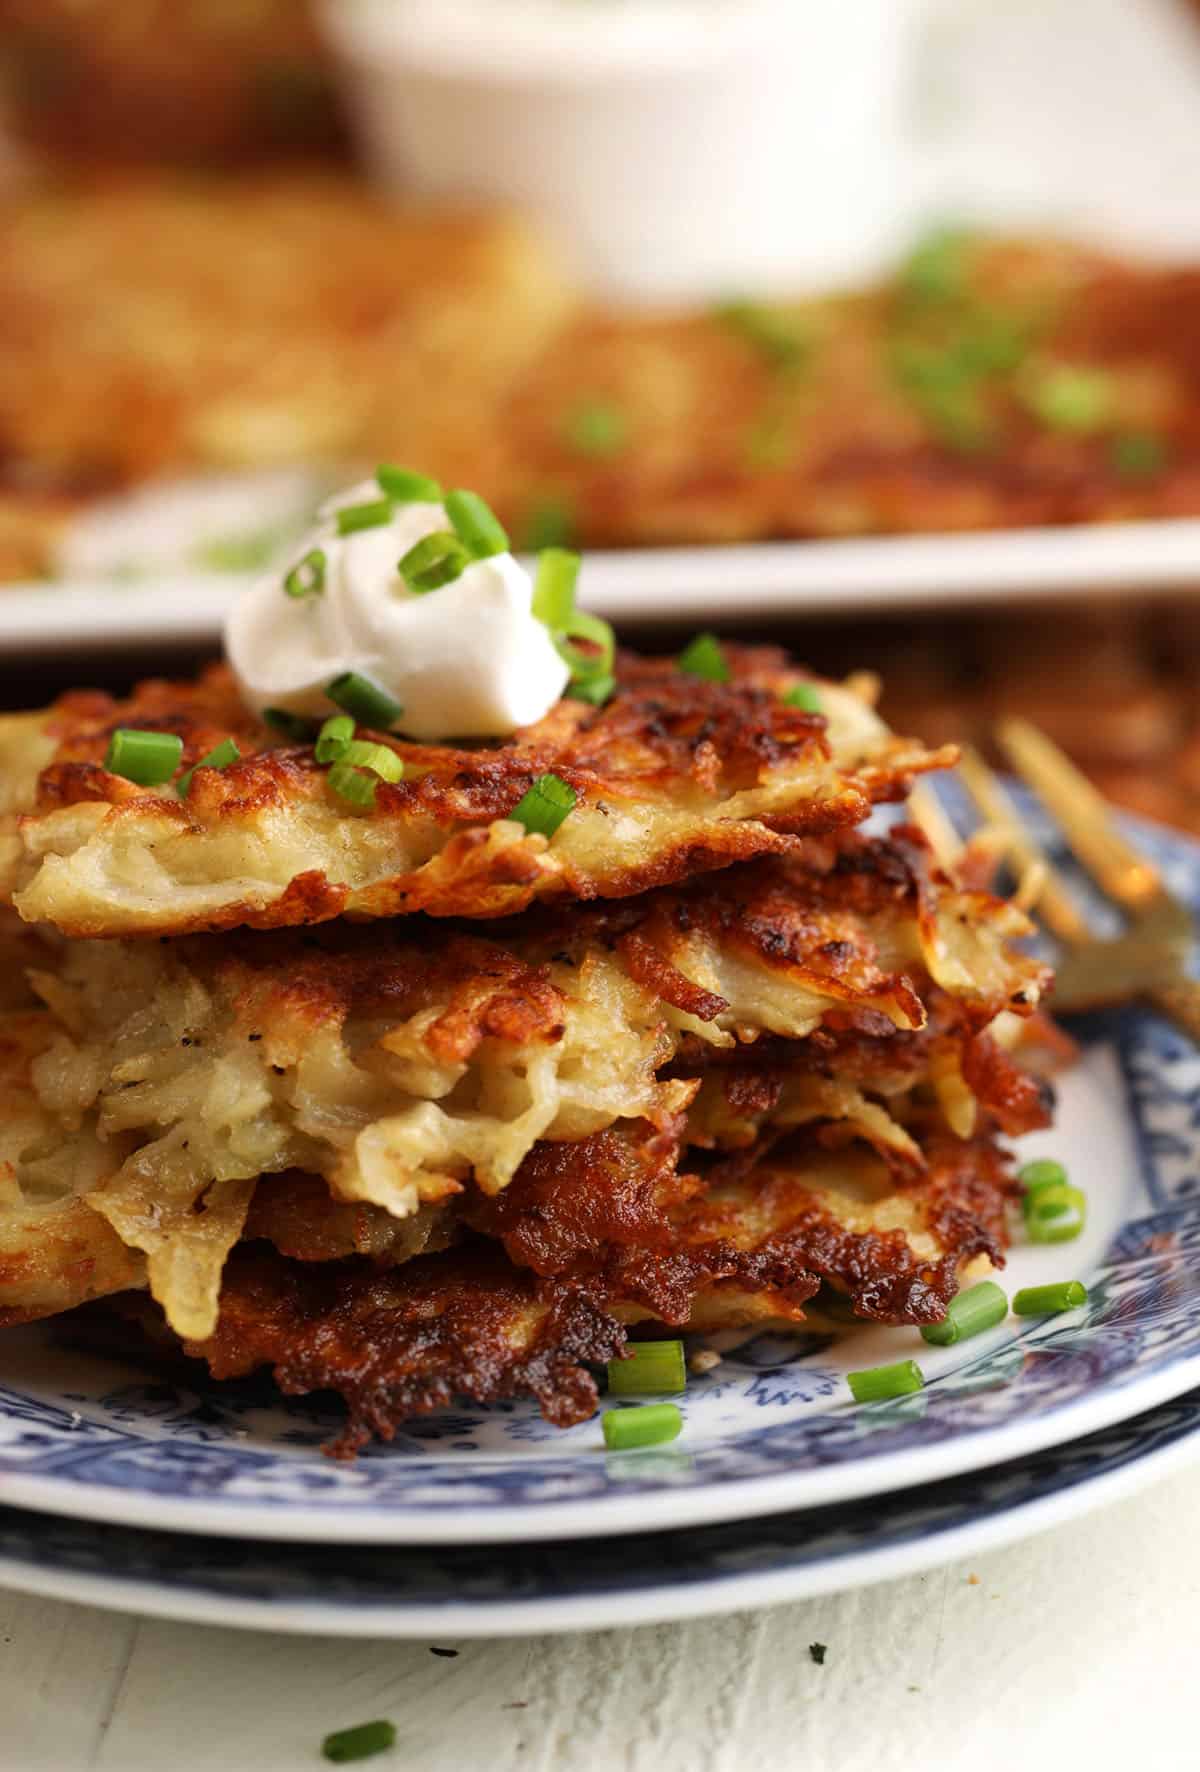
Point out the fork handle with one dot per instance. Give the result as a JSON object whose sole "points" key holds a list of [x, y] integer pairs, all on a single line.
{"points": [[1180, 1003]]}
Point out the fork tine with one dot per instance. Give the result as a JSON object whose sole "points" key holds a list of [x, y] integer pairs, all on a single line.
{"points": [[1053, 901], [1117, 867]]}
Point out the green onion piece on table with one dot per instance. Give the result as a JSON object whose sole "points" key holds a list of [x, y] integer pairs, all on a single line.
{"points": [[705, 657], [969, 1313], [1048, 1301], [406, 488], [359, 1743], [434, 561], [545, 805], [333, 738], [878, 1383], [554, 586], [476, 525], [652, 1368], [220, 757], [803, 695], [652, 1424], [1056, 1214], [148, 758], [371, 515], [370, 705], [307, 577]]}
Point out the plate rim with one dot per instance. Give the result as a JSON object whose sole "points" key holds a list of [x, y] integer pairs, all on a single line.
{"points": [[711, 1597]]}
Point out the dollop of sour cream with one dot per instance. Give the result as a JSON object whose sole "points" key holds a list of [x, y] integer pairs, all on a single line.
{"points": [[469, 660]]}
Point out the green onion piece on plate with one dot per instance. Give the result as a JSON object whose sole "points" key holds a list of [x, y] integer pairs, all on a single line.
{"points": [[548, 524], [476, 525], [352, 784], [969, 1313], [777, 337], [545, 805], [938, 267], [596, 690], [436, 560], [554, 586], [370, 705], [878, 1383], [1137, 455], [803, 695], [359, 1743], [333, 738], [294, 726], [1072, 399], [375, 757], [652, 1424], [307, 577], [220, 757], [597, 429], [145, 757], [1056, 1214], [371, 515], [596, 658], [1043, 1172], [1048, 1301], [705, 657], [652, 1368], [406, 488]]}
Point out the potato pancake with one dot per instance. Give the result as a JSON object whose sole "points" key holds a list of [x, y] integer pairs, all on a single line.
{"points": [[674, 776]]}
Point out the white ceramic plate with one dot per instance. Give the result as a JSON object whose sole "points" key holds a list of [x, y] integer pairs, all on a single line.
{"points": [[771, 1429], [766, 581], [474, 1591]]}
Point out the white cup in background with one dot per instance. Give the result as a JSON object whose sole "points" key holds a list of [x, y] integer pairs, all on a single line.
{"points": [[678, 148]]}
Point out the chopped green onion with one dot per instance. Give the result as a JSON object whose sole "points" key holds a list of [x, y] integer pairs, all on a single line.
{"points": [[333, 738], [803, 695], [652, 1367], [545, 805], [359, 1743], [597, 660], [476, 525], [145, 757], [705, 657], [1137, 455], [295, 726], [1042, 1172], [1047, 1301], [435, 561], [351, 784], [548, 524], [220, 757], [376, 757], [1072, 399], [371, 515], [880, 1382], [597, 429], [554, 586], [596, 690], [307, 577], [938, 267], [651, 1424], [969, 1313], [406, 488], [370, 705], [1056, 1214], [778, 337]]}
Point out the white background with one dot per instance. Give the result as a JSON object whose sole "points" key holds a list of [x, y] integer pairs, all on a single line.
{"points": [[1080, 1648]]}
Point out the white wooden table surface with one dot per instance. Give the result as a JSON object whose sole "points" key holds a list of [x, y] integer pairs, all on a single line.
{"points": [[1077, 1648]]}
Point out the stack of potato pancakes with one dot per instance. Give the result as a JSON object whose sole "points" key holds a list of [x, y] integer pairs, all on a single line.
{"points": [[408, 1100]]}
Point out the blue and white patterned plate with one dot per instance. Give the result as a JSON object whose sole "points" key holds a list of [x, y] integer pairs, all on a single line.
{"points": [[592, 1584], [772, 1429]]}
